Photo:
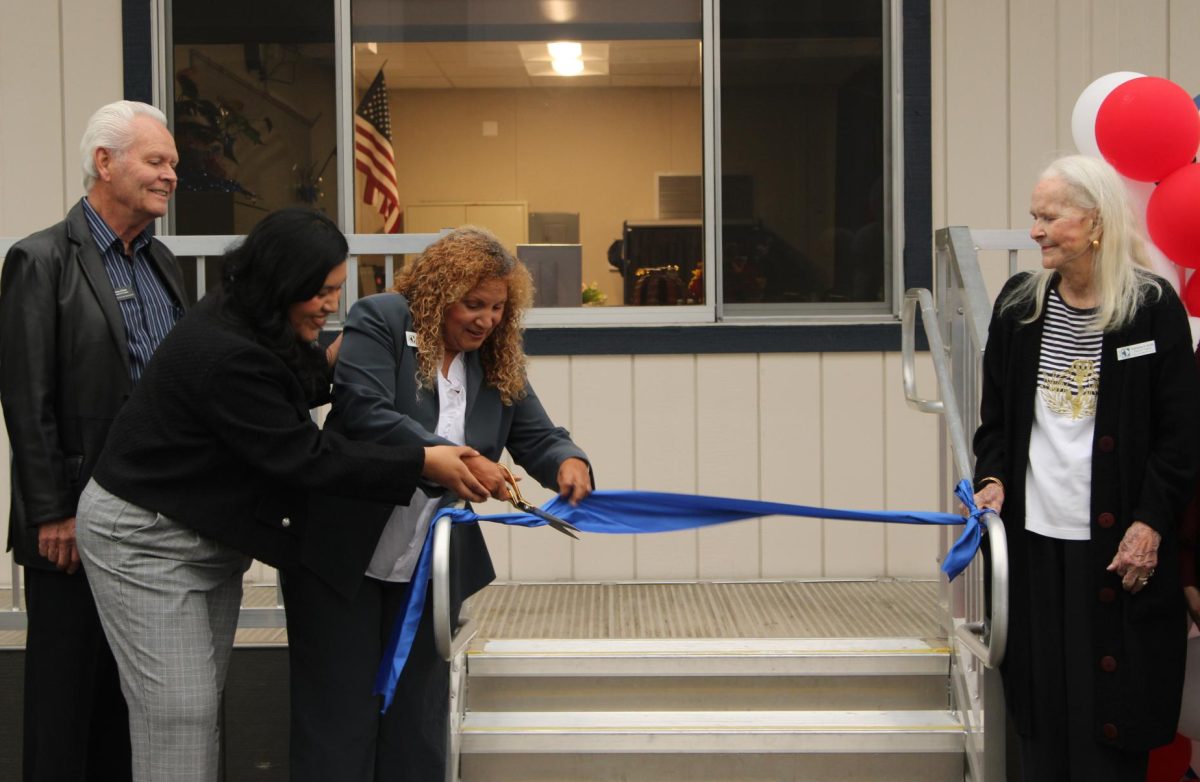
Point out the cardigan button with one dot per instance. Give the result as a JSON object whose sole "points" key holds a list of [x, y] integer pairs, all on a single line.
{"points": [[1106, 444], [1106, 520], [1109, 730], [1107, 595], [286, 522], [1108, 663]]}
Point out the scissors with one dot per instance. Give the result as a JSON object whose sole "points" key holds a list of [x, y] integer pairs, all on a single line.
{"points": [[520, 503]]}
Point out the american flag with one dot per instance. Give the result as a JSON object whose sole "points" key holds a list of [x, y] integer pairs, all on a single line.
{"points": [[373, 154]]}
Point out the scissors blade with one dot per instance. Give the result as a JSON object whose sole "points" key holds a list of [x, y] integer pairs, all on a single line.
{"points": [[564, 527]]}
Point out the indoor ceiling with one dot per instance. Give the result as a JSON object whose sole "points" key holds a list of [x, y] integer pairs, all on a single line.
{"points": [[499, 65]]}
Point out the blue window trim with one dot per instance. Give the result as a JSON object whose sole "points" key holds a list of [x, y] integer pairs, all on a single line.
{"points": [[724, 337]]}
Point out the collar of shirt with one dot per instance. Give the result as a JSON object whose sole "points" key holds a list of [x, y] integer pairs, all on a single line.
{"points": [[105, 236]]}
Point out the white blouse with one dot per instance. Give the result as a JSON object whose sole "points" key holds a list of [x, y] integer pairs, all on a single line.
{"points": [[399, 546]]}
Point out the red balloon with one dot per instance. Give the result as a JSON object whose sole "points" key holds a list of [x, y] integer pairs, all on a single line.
{"points": [[1191, 295], [1170, 762], [1148, 127], [1173, 216]]}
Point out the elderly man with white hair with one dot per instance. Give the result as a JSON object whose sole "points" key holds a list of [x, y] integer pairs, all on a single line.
{"points": [[83, 305]]}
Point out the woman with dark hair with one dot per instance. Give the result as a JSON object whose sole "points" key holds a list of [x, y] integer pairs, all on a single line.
{"points": [[437, 361], [210, 463]]}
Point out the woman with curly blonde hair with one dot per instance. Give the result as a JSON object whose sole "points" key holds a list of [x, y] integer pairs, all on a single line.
{"points": [[442, 275], [437, 360]]}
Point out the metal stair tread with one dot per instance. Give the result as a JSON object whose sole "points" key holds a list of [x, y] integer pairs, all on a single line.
{"points": [[707, 656], [712, 731]]}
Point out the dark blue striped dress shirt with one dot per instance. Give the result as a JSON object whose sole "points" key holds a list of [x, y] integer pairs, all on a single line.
{"points": [[147, 307]]}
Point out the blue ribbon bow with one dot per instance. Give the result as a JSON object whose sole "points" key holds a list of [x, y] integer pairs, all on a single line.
{"points": [[626, 512]]}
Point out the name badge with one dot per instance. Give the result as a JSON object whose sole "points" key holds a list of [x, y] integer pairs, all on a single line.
{"points": [[410, 338], [1133, 351], [125, 294]]}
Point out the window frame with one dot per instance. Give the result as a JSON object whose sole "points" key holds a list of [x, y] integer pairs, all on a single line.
{"points": [[688, 329]]}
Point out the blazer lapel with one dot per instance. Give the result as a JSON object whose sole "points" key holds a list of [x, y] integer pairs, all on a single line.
{"points": [[88, 257]]}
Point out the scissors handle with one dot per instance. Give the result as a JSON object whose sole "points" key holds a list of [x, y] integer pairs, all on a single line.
{"points": [[520, 503]]}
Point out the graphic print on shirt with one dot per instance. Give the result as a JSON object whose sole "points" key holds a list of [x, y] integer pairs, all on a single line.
{"points": [[1069, 366]]}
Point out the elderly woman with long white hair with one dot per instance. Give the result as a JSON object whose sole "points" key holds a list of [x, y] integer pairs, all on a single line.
{"points": [[1086, 447]]}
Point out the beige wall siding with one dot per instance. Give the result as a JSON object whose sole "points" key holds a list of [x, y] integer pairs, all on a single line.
{"points": [[810, 428], [830, 430], [1005, 77]]}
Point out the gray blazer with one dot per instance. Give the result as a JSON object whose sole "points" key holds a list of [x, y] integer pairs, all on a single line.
{"points": [[376, 397]]}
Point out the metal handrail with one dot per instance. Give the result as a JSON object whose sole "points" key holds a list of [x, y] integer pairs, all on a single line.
{"points": [[986, 640], [449, 640]]}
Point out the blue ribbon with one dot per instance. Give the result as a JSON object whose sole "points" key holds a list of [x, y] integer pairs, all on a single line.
{"points": [[626, 512]]}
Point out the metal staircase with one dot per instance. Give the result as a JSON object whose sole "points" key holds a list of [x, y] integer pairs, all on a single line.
{"points": [[847, 709]]}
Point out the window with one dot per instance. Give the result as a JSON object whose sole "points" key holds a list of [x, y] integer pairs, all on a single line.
{"points": [[572, 130], [803, 212], [253, 109], [652, 161]]}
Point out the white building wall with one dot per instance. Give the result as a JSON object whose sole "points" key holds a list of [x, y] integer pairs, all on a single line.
{"points": [[825, 429]]}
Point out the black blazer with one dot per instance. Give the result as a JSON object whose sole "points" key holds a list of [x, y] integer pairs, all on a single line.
{"points": [[376, 397], [1143, 465], [218, 435], [64, 369]]}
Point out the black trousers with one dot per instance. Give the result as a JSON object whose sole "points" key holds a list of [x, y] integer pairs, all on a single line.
{"points": [[1063, 745], [76, 722], [334, 648]]}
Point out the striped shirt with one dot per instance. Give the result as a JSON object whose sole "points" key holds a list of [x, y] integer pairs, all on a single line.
{"points": [[147, 307], [1059, 477]]}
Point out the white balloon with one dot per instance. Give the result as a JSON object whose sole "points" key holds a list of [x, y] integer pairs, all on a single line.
{"points": [[1139, 198], [1083, 117], [1189, 715]]}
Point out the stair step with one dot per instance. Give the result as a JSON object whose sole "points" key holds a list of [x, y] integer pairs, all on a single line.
{"points": [[709, 657], [918, 731]]}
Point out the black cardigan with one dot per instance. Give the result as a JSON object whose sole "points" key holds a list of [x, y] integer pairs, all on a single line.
{"points": [[1143, 463], [218, 436]]}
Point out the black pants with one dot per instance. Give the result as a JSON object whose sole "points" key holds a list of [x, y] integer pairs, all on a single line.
{"points": [[334, 648], [1063, 745], [76, 723]]}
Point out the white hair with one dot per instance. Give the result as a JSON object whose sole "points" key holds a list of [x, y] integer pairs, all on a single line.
{"points": [[111, 128], [1120, 272]]}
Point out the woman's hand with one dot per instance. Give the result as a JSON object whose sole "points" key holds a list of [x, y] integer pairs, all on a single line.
{"points": [[1136, 557], [490, 475], [574, 480], [1192, 595], [446, 465], [990, 496], [331, 352]]}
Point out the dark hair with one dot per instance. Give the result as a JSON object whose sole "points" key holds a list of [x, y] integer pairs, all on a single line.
{"points": [[283, 260]]}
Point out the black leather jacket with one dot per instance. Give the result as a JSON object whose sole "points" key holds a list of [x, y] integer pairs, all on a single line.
{"points": [[64, 369]]}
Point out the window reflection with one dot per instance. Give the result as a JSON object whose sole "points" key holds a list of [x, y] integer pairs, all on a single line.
{"points": [[802, 133]]}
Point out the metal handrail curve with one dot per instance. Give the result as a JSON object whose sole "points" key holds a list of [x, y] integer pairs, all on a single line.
{"points": [[449, 640], [986, 641]]}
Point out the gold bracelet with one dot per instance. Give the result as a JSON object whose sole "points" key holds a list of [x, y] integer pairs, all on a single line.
{"points": [[991, 479]]}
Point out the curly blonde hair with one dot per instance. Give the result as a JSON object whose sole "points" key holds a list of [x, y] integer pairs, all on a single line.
{"points": [[449, 269]]}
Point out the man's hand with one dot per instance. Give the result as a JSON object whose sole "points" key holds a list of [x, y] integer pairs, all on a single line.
{"points": [[574, 480], [56, 542], [446, 465]]}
